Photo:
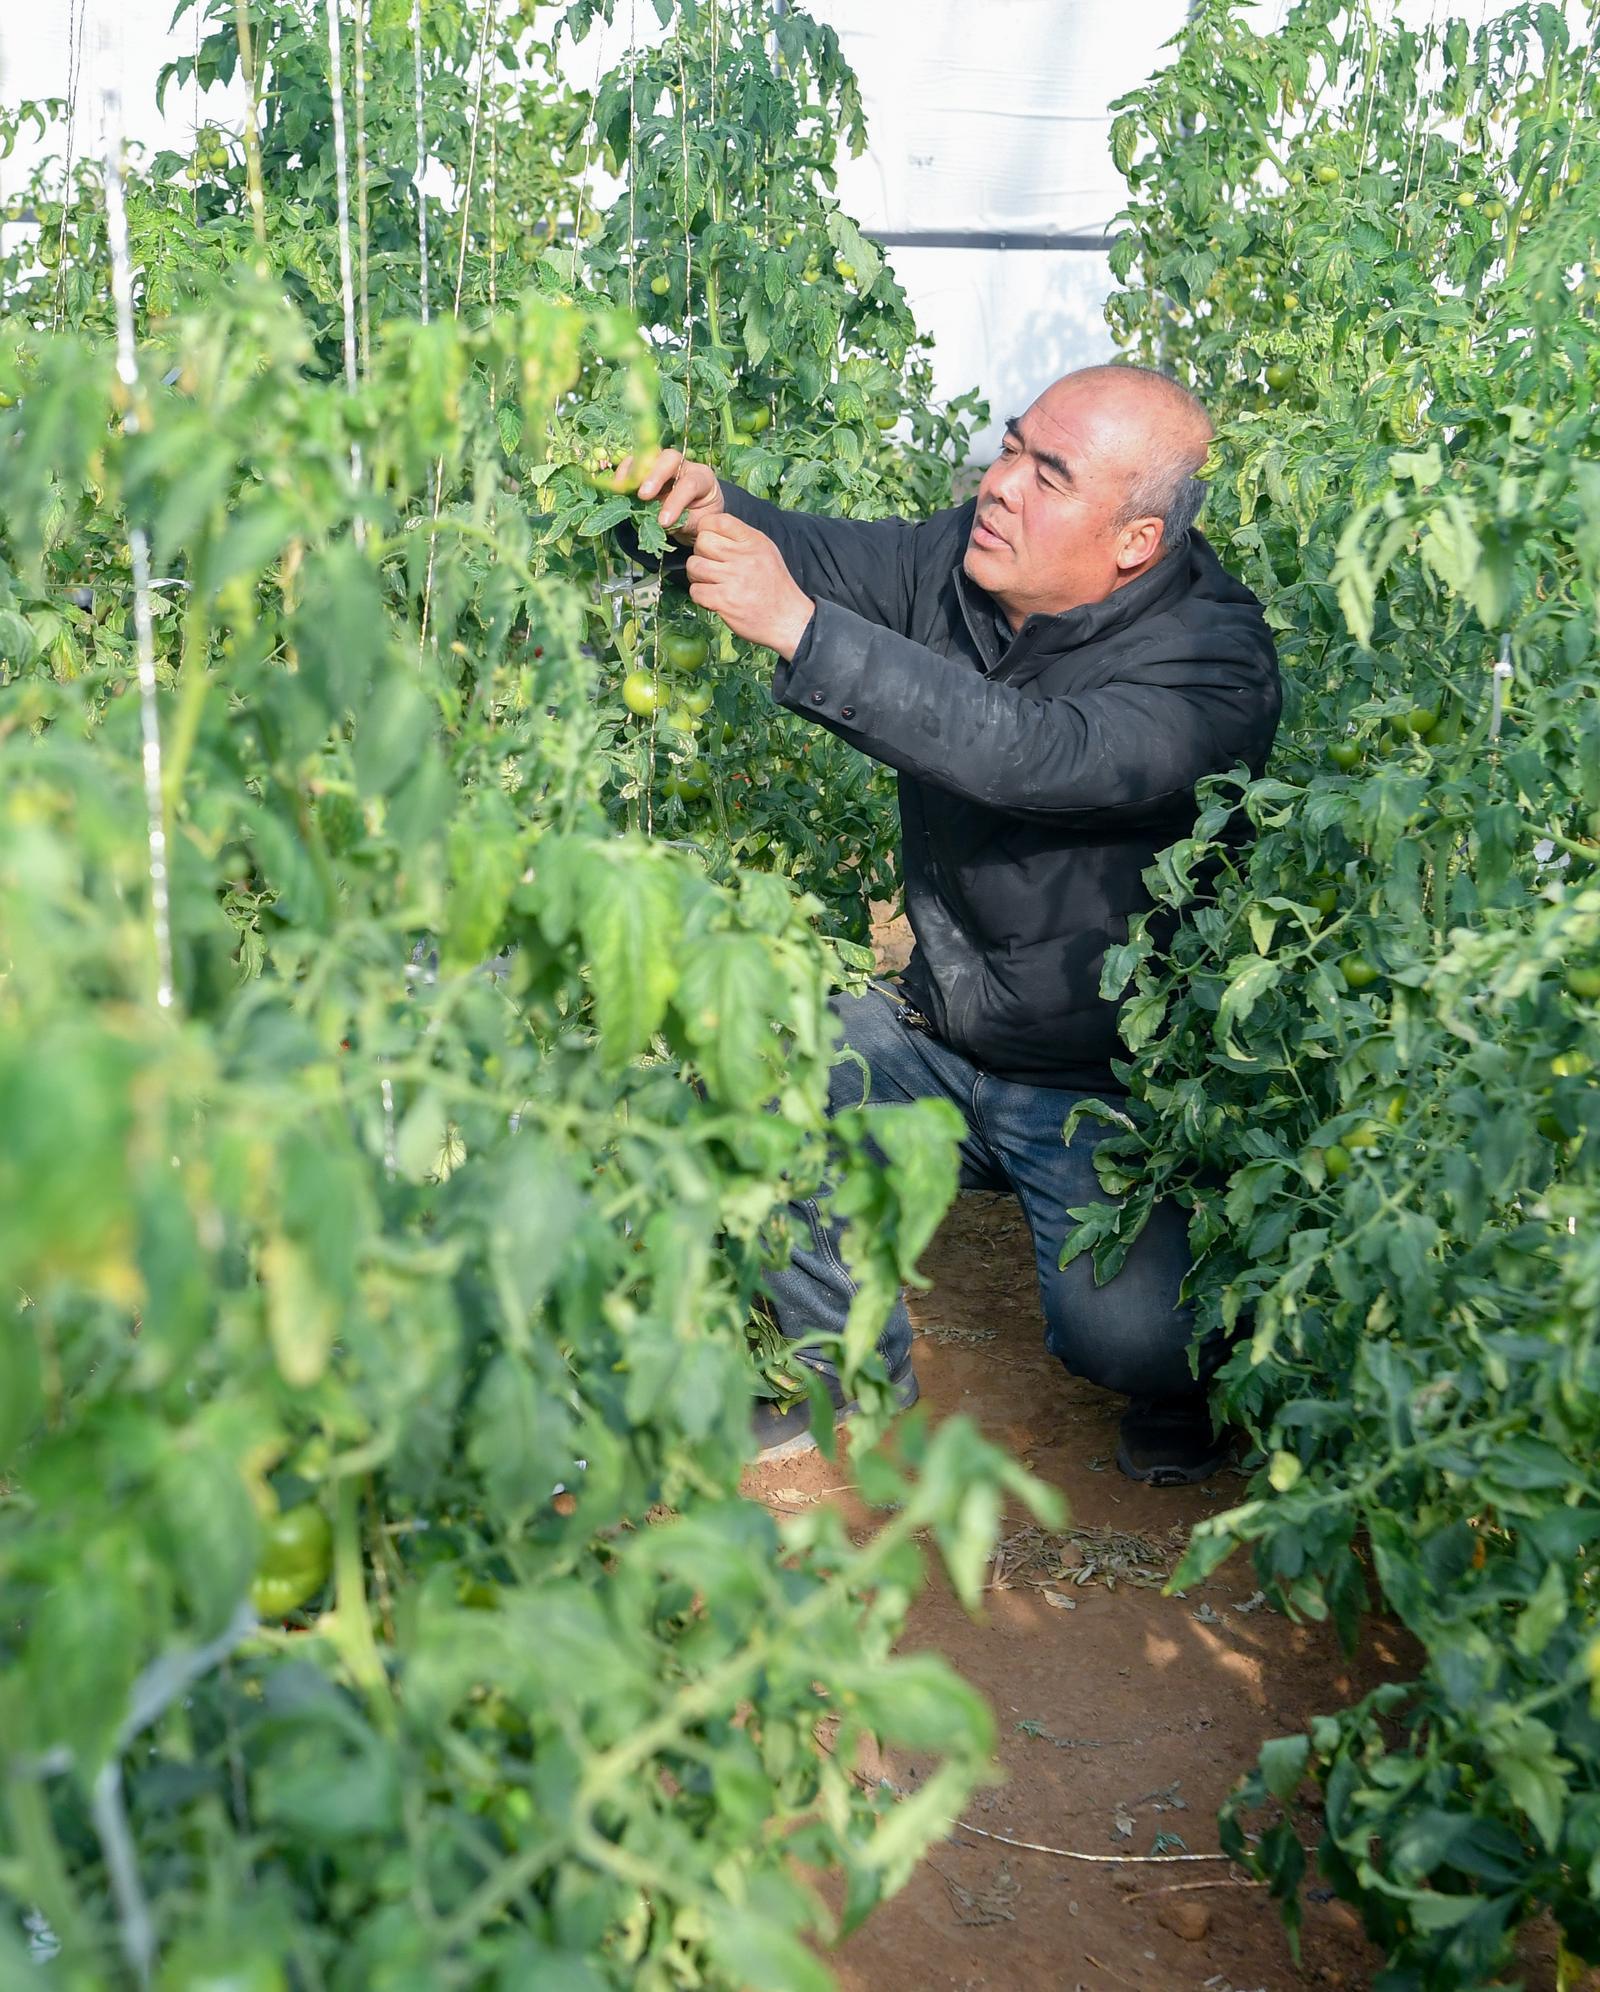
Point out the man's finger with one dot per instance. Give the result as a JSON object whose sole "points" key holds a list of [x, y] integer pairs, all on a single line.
{"points": [[726, 535], [708, 547], [662, 472], [733, 529]]}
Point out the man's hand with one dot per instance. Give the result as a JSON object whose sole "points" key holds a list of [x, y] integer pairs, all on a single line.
{"points": [[739, 575], [692, 494]]}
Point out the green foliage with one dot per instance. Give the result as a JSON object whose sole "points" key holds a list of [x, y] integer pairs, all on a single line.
{"points": [[374, 1392], [781, 371], [1365, 1058]]}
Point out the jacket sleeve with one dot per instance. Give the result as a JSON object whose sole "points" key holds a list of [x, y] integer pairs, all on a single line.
{"points": [[1121, 750], [866, 565]]}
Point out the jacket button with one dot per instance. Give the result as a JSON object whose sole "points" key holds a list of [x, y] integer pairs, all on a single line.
{"points": [[816, 698], [847, 712]]}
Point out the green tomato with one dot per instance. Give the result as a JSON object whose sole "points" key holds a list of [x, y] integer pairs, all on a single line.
{"points": [[1281, 375], [844, 269], [1325, 898], [1358, 972], [1283, 1471], [1493, 210], [752, 417], [1421, 720], [1367, 1134], [296, 1556], [660, 284], [1344, 754], [195, 1965], [296, 1540], [885, 419], [685, 650], [1328, 176], [276, 1597], [1571, 1064], [622, 478], [1466, 199], [698, 700], [641, 694], [1291, 301], [1584, 982], [1336, 1160]]}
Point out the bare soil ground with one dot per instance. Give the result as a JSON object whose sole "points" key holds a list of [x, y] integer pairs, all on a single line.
{"points": [[1124, 1715]]}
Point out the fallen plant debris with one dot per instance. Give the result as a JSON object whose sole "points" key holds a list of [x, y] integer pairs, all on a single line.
{"points": [[1034, 1558], [980, 1907]]}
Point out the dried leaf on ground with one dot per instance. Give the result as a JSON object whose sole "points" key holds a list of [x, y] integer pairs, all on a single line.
{"points": [[988, 1904]]}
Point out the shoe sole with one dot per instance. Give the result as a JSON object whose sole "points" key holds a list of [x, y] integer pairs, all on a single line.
{"points": [[1170, 1476], [906, 1393]]}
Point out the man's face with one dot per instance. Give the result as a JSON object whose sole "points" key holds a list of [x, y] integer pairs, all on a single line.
{"points": [[1044, 539]]}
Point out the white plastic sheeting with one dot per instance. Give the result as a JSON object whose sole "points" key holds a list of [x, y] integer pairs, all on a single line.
{"points": [[993, 117], [993, 120], [987, 119]]}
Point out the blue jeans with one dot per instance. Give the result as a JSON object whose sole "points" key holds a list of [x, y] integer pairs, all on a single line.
{"points": [[1131, 1335]]}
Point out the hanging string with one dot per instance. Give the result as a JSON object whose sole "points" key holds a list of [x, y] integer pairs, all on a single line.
{"points": [[455, 311], [139, 552], [252, 130], [58, 310], [583, 181], [633, 150], [362, 232], [194, 110], [1500, 679], [1414, 143], [422, 152], [341, 166], [633, 269]]}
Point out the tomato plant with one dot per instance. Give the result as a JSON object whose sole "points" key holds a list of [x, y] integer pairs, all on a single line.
{"points": [[397, 1133], [1378, 1102]]}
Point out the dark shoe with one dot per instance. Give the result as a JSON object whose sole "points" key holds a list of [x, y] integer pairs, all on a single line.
{"points": [[782, 1431], [1170, 1442]]}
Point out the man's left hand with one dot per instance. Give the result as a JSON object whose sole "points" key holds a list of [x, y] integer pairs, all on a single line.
{"points": [[740, 575]]}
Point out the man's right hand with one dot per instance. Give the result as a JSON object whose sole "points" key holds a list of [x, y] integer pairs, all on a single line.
{"points": [[689, 493]]}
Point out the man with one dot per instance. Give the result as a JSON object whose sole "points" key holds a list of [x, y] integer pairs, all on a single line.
{"points": [[1050, 668]]}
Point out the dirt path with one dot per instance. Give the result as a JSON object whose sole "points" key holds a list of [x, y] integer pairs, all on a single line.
{"points": [[1123, 1715]]}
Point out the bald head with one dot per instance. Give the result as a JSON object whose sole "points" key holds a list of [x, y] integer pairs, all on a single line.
{"points": [[1094, 485], [1161, 433]]}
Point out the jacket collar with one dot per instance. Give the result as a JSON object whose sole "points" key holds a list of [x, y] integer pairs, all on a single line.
{"points": [[1049, 636]]}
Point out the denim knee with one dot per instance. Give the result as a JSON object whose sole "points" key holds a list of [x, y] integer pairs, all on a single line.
{"points": [[1099, 1337]]}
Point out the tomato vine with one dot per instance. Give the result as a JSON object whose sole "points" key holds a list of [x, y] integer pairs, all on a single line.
{"points": [[373, 1387], [1365, 1057]]}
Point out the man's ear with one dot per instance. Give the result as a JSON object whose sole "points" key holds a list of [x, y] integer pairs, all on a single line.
{"points": [[1139, 544]]}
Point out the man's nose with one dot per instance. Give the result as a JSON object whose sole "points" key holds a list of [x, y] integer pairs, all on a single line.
{"points": [[1001, 483]]}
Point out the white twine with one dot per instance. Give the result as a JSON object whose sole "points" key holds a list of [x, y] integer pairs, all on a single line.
{"points": [[139, 552], [422, 150], [347, 287], [1500, 678]]}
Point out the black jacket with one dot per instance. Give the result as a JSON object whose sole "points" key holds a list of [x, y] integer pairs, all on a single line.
{"points": [[1039, 773]]}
